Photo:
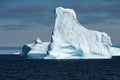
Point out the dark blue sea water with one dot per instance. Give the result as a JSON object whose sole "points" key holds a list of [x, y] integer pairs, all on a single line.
{"points": [[25, 69], [9, 50], [60, 69]]}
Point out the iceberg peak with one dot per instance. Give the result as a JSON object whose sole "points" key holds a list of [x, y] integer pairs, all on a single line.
{"points": [[62, 11], [38, 41]]}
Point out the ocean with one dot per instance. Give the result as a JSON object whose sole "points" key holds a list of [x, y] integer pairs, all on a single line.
{"points": [[10, 50], [60, 69], [79, 69]]}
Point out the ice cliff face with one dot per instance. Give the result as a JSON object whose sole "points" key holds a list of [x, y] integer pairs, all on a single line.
{"points": [[36, 50], [71, 40]]}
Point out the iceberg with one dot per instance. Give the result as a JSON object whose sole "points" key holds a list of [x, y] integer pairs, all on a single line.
{"points": [[71, 40]]}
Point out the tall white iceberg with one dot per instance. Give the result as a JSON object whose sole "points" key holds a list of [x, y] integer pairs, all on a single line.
{"points": [[71, 40]]}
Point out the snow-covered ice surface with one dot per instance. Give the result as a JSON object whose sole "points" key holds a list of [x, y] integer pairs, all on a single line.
{"points": [[38, 49], [70, 40]]}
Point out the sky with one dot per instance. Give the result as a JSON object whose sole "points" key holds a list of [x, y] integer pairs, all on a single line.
{"points": [[22, 21]]}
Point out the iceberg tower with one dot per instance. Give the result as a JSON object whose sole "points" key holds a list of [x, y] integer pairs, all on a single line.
{"points": [[70, 40]]}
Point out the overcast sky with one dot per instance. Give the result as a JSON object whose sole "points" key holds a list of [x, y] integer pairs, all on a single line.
{"points": [[22, 21]]}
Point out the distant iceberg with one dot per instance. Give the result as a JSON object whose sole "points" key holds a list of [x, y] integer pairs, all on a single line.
{"points": [[70, 40]]}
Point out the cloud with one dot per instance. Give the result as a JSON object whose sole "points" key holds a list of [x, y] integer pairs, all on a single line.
{"points": [[3, 3], [104, 12], [40, 12], [27, 14]]}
